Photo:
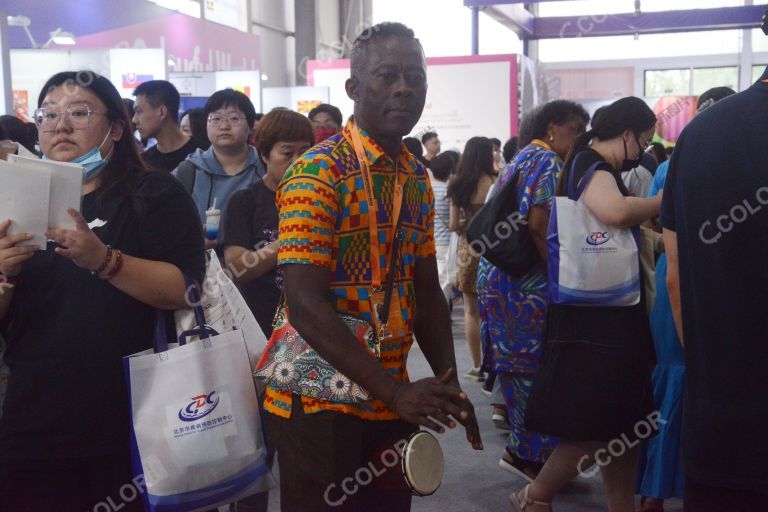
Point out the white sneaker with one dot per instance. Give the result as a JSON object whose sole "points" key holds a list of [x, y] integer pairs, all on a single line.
{"points": [[475, 374]]}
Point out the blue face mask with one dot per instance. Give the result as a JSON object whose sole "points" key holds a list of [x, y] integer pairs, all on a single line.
{"points": [[92, 160]]}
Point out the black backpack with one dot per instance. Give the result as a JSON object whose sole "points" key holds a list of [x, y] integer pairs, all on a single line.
{"points": [[500, 235]]}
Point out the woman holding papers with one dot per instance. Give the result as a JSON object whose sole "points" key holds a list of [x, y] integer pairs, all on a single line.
{"points": [[70, 311]]}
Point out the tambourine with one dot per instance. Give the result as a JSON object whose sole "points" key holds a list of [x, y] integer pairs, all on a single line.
{"points": [[410, 466], [422, 463]]}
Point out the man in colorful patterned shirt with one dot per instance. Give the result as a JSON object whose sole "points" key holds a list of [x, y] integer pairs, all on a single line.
{"points": [[328, 268]]}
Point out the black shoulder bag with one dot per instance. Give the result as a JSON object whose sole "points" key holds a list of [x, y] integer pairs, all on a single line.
{"points": [[500, 234]]}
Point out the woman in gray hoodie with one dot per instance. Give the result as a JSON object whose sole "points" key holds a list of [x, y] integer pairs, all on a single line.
{"points": [[229, 165]]}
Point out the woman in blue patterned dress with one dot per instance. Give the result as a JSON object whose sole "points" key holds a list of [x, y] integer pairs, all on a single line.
{"points": [[512, 310]]}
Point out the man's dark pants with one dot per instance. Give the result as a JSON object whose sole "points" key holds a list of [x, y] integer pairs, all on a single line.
{"points": [[330, 461]]}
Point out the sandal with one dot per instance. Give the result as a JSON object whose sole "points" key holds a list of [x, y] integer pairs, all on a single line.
{"points": [[520, 505], [499, 418], [525, 469], [651, 505]]}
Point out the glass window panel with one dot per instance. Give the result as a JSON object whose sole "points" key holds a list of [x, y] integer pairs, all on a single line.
{"points": [[589, 7], [443, 26], [757, 72], [188, 7], [667, 82], [582, 7], [707, 78], [666, 5], [759, 41], [495, 38], [627, 47]]}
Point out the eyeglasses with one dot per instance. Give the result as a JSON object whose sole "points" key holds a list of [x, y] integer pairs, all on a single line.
{"points": [[77, 116], [643, 147], [230, 120]]}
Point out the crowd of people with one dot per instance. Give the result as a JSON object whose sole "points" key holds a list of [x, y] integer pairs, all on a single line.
{"points": [[320, 218]]}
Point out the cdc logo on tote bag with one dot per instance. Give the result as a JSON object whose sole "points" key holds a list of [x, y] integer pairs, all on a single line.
{"points": [[590, 263]]}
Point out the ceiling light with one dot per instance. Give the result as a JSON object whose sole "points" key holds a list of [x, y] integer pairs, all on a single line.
{"points": [[58, 36], [18, 21], [22, 22]]}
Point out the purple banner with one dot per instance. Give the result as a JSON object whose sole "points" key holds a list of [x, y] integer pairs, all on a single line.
{"points": [[192, 44]]}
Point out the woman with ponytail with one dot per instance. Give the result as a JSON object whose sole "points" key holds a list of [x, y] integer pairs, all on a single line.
{"points": [[594, 387]]}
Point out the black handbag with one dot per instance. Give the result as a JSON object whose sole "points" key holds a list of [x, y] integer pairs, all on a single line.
{"points": [[500, 235]]}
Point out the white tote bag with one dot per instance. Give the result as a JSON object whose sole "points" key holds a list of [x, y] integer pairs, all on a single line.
{"points": [[197, 434], [224, 309], [590, 263]]}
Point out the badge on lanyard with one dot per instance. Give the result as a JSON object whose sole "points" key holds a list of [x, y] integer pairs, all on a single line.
{"points": [[386, 309]]}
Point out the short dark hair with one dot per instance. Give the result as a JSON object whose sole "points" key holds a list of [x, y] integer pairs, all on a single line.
{"points": [[712, 96], [331, 110], [659, 152], [197, 124], [358, 55], [161, 93], [16, 130], [119, 175], [443, 165], [628, 113], [282, 124], [414, 146], [455, 156], [32, 135], [129, 103], [427, 136], [231, 98], [496, 142], [509, 149], [536, 123]]}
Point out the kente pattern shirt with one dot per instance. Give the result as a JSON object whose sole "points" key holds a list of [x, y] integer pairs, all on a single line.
{"points": [[324, 222]]}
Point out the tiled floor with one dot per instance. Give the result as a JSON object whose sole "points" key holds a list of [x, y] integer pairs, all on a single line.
{"points": [[473, 481]]}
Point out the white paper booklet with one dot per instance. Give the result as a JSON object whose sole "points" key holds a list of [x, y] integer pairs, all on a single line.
{"points": [[66, 188], [24, 198]]}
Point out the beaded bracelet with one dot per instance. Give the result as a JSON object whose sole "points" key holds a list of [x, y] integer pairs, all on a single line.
{"points": [[117, 268], [104, 265], [9, 281]]}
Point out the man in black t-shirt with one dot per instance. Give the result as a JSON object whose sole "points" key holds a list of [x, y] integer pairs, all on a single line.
{"points": [[156, 115], [715, 219]]}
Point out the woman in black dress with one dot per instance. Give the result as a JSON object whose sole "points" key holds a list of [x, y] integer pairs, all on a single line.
{"points": [[71, 310], [593, 391]]}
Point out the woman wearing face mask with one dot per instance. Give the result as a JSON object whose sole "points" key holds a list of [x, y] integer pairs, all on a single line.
{"points": [[72, 310], [599, 359], [512, 309]]}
